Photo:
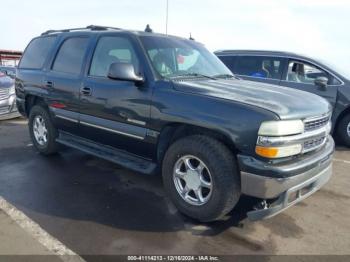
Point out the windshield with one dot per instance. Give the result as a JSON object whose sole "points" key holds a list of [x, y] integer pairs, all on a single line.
{"points": [[172, 57]]}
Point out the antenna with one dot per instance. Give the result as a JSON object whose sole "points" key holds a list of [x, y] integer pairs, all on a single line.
{"points": [[166, 17], [148, 29]]}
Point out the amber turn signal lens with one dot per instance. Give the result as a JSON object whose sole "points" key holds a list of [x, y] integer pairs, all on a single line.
{"points": [[270, 152]]}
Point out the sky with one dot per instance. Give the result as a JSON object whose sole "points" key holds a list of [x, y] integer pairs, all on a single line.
{"points": [[316, 28]]}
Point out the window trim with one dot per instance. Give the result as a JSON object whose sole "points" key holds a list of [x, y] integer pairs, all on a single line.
{"points": [[63, 40], [289, 58]]}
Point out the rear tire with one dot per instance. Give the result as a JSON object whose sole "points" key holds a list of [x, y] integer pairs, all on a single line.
{"points": [[218, 194], [42, 131], [343, 130]]}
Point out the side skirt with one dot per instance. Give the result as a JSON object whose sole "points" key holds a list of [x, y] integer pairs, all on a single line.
{"points": [[119, 157]]}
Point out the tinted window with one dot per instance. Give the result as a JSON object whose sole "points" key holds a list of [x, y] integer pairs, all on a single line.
{"points": [[36, 53], [229, 61], [70, 56], [260, 66], [301, 72], [112, 49]]}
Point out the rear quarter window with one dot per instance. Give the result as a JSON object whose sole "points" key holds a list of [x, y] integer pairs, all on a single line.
{"points": [[36, 53]]}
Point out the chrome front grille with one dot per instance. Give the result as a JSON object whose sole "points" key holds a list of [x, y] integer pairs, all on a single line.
{"points": [[4, 93], [313, 125], [4, 110], [314, 143], [316, 123]]}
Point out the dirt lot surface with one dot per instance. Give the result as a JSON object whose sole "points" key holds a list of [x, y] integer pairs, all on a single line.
{"points": [[96, 207]]}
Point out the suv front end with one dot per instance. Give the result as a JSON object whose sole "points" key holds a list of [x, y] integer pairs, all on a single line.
{"points": [[294, 160], [8, 108]]}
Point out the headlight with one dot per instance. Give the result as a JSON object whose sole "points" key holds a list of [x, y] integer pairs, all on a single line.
{"points": [[281, 128], [270, 131], [12, 90]]}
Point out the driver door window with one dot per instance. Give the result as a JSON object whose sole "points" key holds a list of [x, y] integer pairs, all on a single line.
{"points": [[109, 50]]}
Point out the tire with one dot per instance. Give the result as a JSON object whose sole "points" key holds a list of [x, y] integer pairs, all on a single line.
{"points": [[343, 130], [222, 173], [48, 146]]}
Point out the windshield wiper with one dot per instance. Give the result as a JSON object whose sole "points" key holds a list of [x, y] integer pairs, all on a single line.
{"points": [[193, 75], [225, 76]]}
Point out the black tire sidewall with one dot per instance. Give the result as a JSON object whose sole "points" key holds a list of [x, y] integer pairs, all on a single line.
{"points": [[51, 145], [225, 186], [342, 130]]}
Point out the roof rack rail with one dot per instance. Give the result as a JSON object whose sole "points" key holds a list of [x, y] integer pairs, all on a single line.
{"points": [[90, 27]]}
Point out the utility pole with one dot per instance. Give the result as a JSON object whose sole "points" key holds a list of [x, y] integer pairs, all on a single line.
{"points": [[166, 17]]}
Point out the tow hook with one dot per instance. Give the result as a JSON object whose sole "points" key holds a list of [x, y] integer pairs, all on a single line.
{"points": [[261, 205]]}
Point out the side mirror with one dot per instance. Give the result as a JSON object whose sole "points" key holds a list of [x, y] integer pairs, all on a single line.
{"points": [[321, 81], [124, 71]]}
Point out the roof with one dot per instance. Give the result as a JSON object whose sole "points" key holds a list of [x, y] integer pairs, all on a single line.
{"points": [[256, 52], [104, 29]]}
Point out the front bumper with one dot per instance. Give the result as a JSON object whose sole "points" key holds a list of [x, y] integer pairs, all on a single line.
{"points": [[8, 108], [285, 188]]}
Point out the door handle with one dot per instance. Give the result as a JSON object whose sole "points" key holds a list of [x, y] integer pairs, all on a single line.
{"points": [[86, 91], [49, 84]]}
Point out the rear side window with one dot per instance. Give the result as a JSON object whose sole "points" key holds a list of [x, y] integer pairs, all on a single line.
{"points": [[260, 66], [36, 52], [70, 57], [229, 61]]}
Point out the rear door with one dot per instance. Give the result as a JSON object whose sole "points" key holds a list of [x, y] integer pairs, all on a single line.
{"points": [[301, 75], [114, 112], [264, 69], [63, 80]]}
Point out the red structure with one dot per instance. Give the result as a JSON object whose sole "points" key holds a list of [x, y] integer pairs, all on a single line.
{"points": [[10, 57]]}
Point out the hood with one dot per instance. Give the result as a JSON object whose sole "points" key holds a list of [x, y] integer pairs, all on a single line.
{"points": [[286, 102]]}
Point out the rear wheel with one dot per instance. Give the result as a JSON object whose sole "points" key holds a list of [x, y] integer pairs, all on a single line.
{"points": [[343, 131], [42, 131], [200, 176]]}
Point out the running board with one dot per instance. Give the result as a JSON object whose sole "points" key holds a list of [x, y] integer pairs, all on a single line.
{"points": [[119, 157]]}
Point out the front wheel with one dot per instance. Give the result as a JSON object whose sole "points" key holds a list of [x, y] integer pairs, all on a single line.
{"points": [[42, 131], [201, 178], [343, 130]]}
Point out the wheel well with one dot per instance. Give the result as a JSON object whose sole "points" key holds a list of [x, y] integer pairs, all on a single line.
{"points": [[340, 117], [174, 132], [31, 101]]}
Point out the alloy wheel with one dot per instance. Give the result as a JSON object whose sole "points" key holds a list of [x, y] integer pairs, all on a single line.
{"points": [[40, 130], [193, 180]]}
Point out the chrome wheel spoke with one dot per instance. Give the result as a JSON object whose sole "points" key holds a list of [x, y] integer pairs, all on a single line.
{"points": [[179, 173], [199, 195], [200, 167], [204, 183], [185, 192], [188, 164]]}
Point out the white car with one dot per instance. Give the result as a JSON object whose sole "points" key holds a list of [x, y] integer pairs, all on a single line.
{"points": [[8, 108]]}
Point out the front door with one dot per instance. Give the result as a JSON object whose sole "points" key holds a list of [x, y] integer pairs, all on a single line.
{"points": [[301, 75], [113, 112]]}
